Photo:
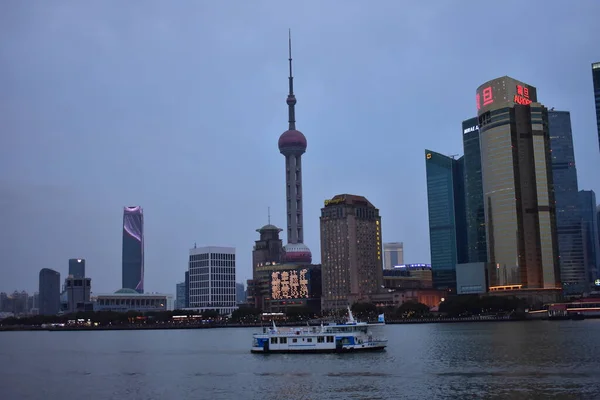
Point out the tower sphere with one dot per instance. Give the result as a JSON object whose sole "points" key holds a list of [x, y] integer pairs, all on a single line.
{"points": [[292, 140]]}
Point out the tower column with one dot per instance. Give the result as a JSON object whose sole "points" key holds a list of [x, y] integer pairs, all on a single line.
{"points": [[299, 205], [292, 195]]}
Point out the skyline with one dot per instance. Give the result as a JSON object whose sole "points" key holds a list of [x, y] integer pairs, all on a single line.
{"points": [[97, 120]]}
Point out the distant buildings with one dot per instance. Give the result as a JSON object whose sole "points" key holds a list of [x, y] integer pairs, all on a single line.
{"points": [[124, 300], [133, 248], [408, 276], [212, 279], [49, 292], [240, 293], [447, 220], [77, 267], [393, 254], [350, 251], [587, 202], [573, 273], [517, 186], [596, 81]]}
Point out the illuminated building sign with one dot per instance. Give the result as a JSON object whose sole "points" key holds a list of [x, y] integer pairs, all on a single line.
{"points": [[378, 240], [292, 284], [522, 96], [413, 266], [335, 201], [471, 129], [485, 98]]}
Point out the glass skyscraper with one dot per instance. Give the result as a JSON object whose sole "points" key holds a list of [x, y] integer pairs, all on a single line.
{"points": [[568, 217], [596, 80], [447, 220], [77, 267], [475, 213], [133, 249], [587, 204], [49, 292]]}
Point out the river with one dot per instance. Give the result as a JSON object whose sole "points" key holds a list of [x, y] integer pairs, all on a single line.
{"points": [[487, 360]]}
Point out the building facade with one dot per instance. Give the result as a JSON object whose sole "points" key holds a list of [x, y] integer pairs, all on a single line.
{"points": [[124, 300], [351, 259], [518, 195], [447, 220], [76, 295], [49, 292], [293, 286], [268, 250], [471, 278], [573, 274], [474, 211], [393, 254], [596, 81], [591, 248], [133, 248], [212, 279], [77, 267]]}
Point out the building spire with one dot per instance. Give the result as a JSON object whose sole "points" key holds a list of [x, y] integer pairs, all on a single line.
{"points": [[291, 99], [269, 214]]}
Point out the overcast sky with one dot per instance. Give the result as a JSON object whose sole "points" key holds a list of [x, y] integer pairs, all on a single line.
{"points": [[178, 106]]}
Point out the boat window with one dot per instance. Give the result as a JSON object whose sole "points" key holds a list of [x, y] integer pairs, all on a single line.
{"points": [[294, 340], [329, 339], [320, 339], [309, 340], [273, 340], [283, 340]]}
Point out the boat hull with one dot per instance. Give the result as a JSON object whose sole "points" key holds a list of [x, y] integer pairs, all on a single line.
{"points": [[354, 349]]}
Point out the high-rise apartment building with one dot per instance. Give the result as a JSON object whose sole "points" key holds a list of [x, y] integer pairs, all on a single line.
{"points": [[49, 292], [77, 267], [133, 248], [518, 193], [596, 80], [447, 220], [591, 248], [393, 254], [351, 259], [474, 211], [568, 217], [212, 278]]}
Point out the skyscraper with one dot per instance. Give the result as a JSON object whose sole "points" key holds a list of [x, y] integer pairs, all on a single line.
{"points": [[447, 220], [591, 248], [292, 144], [350, 251], [596, 80], [267, 251], [212, 278], [133, 248], [180, 290], [49, 292], [393, 254], [568, 217], [77, 267], [517, 186], [475, 213]]}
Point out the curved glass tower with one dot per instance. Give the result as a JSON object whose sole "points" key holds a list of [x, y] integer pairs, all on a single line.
{"points": [[133, 248]]}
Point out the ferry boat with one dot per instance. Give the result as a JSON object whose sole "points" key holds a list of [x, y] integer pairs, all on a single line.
{"points": [[351, 336]]}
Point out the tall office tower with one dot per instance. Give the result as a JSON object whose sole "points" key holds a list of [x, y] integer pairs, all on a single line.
{"points": [[350, 251], [77, 267], [180, 295], [49, 292], [447, 219], [518, 194], [475, 213], [596, 80], [568, 217], [591, 247], [393, 254], [133, 248], [292, 144], [212, 278], [187, 288]]}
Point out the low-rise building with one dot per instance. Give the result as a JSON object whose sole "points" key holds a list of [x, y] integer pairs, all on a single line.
{"points": [[124, 300]]}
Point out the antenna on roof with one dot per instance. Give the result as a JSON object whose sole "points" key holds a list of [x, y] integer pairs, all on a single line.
{"points": [[194, 244], [269, 214]]}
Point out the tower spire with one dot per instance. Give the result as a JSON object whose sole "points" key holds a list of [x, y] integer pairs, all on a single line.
{"points": [[291, 99], [269, 214]]}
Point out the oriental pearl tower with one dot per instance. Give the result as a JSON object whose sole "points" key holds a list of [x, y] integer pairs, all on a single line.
{"points": [[292, 144]]}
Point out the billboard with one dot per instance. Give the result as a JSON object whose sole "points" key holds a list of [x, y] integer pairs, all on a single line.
{"points": [[503, 92], [291, 284]]}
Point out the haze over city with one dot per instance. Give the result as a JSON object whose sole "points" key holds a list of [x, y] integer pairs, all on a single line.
{"points": [[178, 108]]}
